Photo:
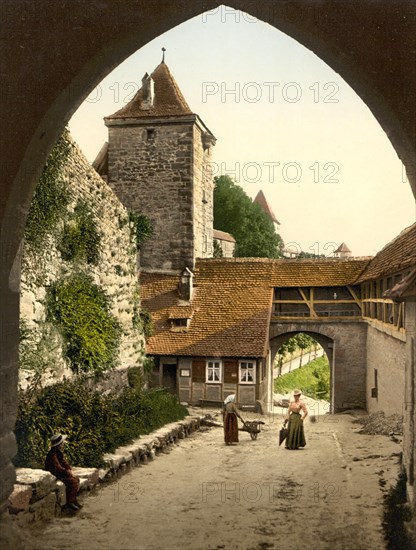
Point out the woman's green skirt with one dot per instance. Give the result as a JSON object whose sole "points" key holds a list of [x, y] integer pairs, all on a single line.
{"points": [[296, 436]]}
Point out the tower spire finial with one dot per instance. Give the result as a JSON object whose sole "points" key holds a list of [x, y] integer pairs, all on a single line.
{"points": [[163, 56]]}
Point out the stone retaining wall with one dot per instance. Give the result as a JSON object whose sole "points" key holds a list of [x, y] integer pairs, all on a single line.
{"points": [[38, 495]]}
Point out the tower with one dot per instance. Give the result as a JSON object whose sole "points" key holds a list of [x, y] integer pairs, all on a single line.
{"points": [[159, 155]]}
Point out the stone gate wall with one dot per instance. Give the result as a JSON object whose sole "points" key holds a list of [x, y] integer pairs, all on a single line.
{"points": [[347, 354], [386, 358]]}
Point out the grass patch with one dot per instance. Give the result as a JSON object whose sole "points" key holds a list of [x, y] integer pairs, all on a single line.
{"points": [[312, 379]]}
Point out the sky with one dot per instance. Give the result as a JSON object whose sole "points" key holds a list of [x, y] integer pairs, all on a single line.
{"points": [[285, 123]]}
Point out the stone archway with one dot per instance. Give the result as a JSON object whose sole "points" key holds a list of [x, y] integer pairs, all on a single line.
{"points": [[51, 62], [327, 344], [345, 344]]}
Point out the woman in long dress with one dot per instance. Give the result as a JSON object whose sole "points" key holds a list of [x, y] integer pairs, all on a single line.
{"points": [[230, 420], [296, 414]]}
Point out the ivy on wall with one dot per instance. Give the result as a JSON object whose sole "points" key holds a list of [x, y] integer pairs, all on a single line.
{"points": [[51, 196], [37, 351], [146, 322], [80, 241], [92, 334], [142, 227]]}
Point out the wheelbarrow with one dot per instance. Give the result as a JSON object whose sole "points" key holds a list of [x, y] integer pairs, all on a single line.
{"points": [[253, 427]]}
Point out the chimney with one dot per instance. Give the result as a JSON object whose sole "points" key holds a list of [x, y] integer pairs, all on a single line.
{"points": [[148, 95], [186, 286]]}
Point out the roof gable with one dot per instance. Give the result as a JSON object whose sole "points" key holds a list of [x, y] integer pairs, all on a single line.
{"points": [[398, 255], [168, 99]]}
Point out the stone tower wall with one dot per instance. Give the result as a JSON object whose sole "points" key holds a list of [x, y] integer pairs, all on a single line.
{"points": [[151, 168], [203, 204]]}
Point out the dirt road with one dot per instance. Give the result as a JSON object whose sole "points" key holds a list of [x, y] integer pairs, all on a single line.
{"points": [[204, 495]]}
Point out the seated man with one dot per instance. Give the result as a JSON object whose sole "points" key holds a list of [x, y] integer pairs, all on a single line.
{"points": [[59, 467]]}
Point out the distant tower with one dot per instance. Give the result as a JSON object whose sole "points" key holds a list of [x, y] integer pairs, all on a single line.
{"points": [[342, 251], [158, 158], [265, 206]]}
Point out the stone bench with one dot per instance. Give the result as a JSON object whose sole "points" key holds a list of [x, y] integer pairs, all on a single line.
{"points": [[38, 495]]}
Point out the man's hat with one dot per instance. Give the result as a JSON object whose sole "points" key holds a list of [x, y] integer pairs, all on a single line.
{"points": [[57, 439]]}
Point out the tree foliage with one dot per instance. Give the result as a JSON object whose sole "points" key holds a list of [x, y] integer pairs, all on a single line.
{"points": [[300, 341], [235, 213]]}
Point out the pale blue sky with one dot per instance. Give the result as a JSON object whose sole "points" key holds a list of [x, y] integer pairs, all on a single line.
{"points": [[285, 123]]}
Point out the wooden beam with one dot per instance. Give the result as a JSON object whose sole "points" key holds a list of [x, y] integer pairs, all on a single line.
{"points": [[379, 300], [354, 295], [308, 303], [399, 317], [315, 302], [312, 296]]}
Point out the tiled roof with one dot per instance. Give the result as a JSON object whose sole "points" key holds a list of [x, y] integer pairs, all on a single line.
{"points": [[168, 99], [223, 236], [100, 163], [232, 302], [284, 272], [396, 256], [181, 312], [264, 205], [342, 248]]}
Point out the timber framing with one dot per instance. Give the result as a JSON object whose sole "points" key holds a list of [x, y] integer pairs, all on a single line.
{"points": [[317, 303]]}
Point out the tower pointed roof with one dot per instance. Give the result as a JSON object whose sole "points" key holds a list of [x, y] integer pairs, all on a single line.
{"points": [[342, 248], [166, 98], [264, 205]]}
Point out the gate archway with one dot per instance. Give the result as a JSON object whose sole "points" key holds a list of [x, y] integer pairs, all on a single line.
{"points": [[345, 345], [373, 56], [325, 341]]}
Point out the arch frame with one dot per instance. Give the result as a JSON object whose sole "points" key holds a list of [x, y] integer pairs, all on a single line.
{"points": [[371, 44]]}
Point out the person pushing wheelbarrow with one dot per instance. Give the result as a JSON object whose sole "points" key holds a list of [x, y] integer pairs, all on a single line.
{"points": [[230, 415]]}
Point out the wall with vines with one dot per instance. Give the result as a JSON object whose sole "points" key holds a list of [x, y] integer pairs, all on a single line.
{"points": [[80, 301]]}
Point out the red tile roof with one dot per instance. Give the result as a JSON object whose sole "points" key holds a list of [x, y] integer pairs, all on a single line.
{"points": [[398, 255], [223, 236], [283, 272], [265, 206], [232, 302], [342, 248], [168, 99]]}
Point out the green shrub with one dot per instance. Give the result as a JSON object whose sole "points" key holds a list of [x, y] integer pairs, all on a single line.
{"points": [[94, 423], [142, 228], [134, 377], [146, 322], [92, 335], [218, 253]]}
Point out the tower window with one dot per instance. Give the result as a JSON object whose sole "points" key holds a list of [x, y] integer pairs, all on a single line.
{"points": [[150, 133]]}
